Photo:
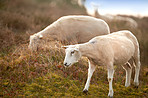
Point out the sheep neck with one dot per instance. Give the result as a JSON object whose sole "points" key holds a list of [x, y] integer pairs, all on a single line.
{"points": [[91, 52], [86, 50], [51, 31]]}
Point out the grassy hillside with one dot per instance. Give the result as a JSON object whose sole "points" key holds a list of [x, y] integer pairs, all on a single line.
{"points": [[41, 74]]}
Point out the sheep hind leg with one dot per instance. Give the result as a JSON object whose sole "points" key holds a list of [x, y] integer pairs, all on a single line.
{"points": [[137, 67], [137, 70], [91, 69], [128, 68]]}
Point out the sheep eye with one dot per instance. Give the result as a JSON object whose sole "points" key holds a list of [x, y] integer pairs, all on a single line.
{"points": [[72, 52]]}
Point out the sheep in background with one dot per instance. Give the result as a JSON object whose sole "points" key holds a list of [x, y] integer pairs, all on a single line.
{"points": [[128, 21], [95, 13], [113, 49], [81, 2], [71, 29]]}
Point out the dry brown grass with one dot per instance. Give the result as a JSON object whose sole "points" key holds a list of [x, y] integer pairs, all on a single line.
{"points": [[21, 69]]}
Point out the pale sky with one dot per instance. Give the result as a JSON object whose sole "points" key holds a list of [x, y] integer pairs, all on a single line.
{"points": [[128, 7]]}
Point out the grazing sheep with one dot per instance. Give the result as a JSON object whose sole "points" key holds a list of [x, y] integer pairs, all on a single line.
{"points": [[113, 49], [72, 29]]}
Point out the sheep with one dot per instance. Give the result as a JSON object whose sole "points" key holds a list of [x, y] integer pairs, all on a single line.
{"points": [[72, 29], [81, 3], [93, 10], [117, 48]]}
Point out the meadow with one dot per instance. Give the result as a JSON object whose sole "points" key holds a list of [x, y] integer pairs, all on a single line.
{"points": [[41, 74]]}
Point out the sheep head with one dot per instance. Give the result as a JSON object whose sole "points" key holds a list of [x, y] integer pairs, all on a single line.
{"points": [[72, 55], [35, 41]]}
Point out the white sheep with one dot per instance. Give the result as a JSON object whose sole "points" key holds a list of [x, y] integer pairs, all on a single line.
{"points": [[73, 29], [117, 48]]}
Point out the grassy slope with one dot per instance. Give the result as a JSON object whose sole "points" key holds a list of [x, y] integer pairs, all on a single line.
{"points": [[41, 74]]}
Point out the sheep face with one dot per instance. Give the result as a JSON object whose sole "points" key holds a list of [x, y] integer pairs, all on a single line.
{"points": [[72, 56], [34, 42]]}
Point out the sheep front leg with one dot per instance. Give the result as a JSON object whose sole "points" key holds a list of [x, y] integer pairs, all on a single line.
{"points": [[110, 79], [91, 69]]}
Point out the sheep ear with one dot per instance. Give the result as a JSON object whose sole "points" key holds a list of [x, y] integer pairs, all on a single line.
{"points": [[65, 47], [77, 48], [40, 36]]}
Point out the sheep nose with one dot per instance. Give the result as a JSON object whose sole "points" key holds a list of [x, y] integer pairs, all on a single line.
{"points": [[65, 64]]}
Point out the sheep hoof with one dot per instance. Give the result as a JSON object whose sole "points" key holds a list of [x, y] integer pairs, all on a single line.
{"points": [[85, 92], [136, 84], [136, 87], [110, 96]]}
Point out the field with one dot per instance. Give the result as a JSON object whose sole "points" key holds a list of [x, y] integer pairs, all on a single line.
{"points": [[41, 74]]}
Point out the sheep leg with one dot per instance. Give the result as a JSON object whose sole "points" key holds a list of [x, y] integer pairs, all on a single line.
{"points": [[110, 79], [91, 69], [136, 78], [127, 67], [137, 67]]}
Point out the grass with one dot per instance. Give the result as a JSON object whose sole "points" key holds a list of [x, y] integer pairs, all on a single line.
{"points": [[41, 74]]}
